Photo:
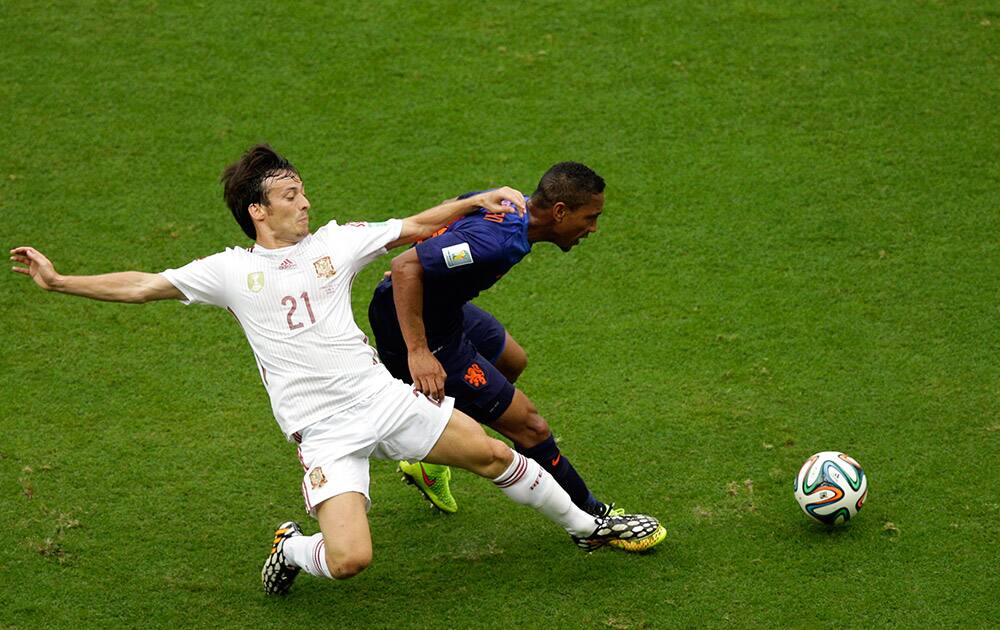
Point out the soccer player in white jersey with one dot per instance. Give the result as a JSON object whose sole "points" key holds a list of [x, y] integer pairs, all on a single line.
{"points": [[290, 292]]}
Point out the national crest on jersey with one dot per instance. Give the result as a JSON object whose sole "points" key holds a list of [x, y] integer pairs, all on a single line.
{"points": [[324, 267]]}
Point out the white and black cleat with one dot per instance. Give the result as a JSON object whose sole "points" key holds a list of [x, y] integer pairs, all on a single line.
{"points": [[277, 575], [634, 528]]}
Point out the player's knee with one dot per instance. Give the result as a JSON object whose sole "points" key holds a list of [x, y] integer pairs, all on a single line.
{"points": [[349, 564], [500, 457], [522, 423], [500, 453], [533, 431]]}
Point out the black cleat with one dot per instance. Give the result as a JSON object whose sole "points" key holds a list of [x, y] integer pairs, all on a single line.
{"points": [[637, 529], [277, 575]]}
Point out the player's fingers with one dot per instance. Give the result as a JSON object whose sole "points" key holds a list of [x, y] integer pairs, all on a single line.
{"points": [[425, 387], [503, 206], [518, 199], [23, 270], [514, 198], [511, 207], [502, 200]]}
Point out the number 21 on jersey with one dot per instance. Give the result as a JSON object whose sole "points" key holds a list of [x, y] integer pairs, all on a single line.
{"points": [[292, 304]]}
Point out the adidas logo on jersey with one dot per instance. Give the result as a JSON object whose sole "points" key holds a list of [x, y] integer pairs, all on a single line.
{"points": [[286, 264]]}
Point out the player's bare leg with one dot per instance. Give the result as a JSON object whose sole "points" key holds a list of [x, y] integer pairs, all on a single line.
{"points": [[347, 540], [513, 360], [522, 423], [465, 444], [342, 548]]}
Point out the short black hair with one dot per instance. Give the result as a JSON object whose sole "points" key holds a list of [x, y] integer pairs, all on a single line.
{"points": [[243, 182], [572, 183]]}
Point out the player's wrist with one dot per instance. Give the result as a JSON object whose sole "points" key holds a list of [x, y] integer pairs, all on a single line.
{"points": [[477, 201], [56, 282]]}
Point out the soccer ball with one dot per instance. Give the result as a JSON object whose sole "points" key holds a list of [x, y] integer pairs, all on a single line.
{"points": [[831, 487]]}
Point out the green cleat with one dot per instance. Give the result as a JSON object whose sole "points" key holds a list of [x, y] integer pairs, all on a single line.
{"points": [[432, 481]]}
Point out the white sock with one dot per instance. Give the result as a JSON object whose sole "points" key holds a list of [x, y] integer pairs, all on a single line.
{"points": [[527, 483], [308, 553]]}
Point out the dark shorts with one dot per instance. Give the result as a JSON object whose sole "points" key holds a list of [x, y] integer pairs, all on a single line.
{"points": [[467, 356]]}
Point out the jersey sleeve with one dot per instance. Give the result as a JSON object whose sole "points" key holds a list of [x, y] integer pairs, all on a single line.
{"points": [[366, 241], [201, 281], [463, 248]]}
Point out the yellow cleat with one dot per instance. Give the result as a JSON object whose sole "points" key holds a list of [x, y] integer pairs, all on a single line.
{"points": [[638, 545], [635, 529]]}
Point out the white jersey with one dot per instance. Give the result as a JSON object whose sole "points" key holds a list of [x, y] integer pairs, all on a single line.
{"points": [[294, 304]]}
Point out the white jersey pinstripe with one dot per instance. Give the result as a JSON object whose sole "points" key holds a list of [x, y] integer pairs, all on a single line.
{"points": [[294, 304]]}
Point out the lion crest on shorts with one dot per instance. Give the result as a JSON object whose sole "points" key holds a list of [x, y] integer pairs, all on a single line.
{"points": [[316, 478], [475, 376]]}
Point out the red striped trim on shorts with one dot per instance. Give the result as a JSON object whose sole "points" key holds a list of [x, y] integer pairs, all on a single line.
{"points": [[305, 497]]}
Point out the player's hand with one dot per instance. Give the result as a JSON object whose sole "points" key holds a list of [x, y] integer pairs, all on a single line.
{"points": [[427, 374], [36, 265], [504, 200]]}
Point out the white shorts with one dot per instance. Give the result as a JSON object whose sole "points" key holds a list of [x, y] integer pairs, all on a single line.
{"points": [[397, 423]]}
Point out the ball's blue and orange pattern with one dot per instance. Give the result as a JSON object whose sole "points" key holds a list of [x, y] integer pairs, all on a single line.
{"points": [[831, 487]]}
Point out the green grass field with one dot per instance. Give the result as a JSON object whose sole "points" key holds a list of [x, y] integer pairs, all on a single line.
{"points": [[799, 253]]}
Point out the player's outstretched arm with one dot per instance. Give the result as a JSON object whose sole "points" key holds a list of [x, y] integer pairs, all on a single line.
{"points": [[408, 293], [422, 225], [126, 286]]}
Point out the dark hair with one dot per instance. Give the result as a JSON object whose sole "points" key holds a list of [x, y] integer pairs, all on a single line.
{"points": [[569, 182], [243, 182]]}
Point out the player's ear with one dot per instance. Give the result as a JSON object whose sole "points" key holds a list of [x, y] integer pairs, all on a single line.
{"points": [[559, 211], [256, 211]]}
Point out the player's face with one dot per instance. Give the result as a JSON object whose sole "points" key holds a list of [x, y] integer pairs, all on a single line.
{"points": [[287, 208], [578, 224]]}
